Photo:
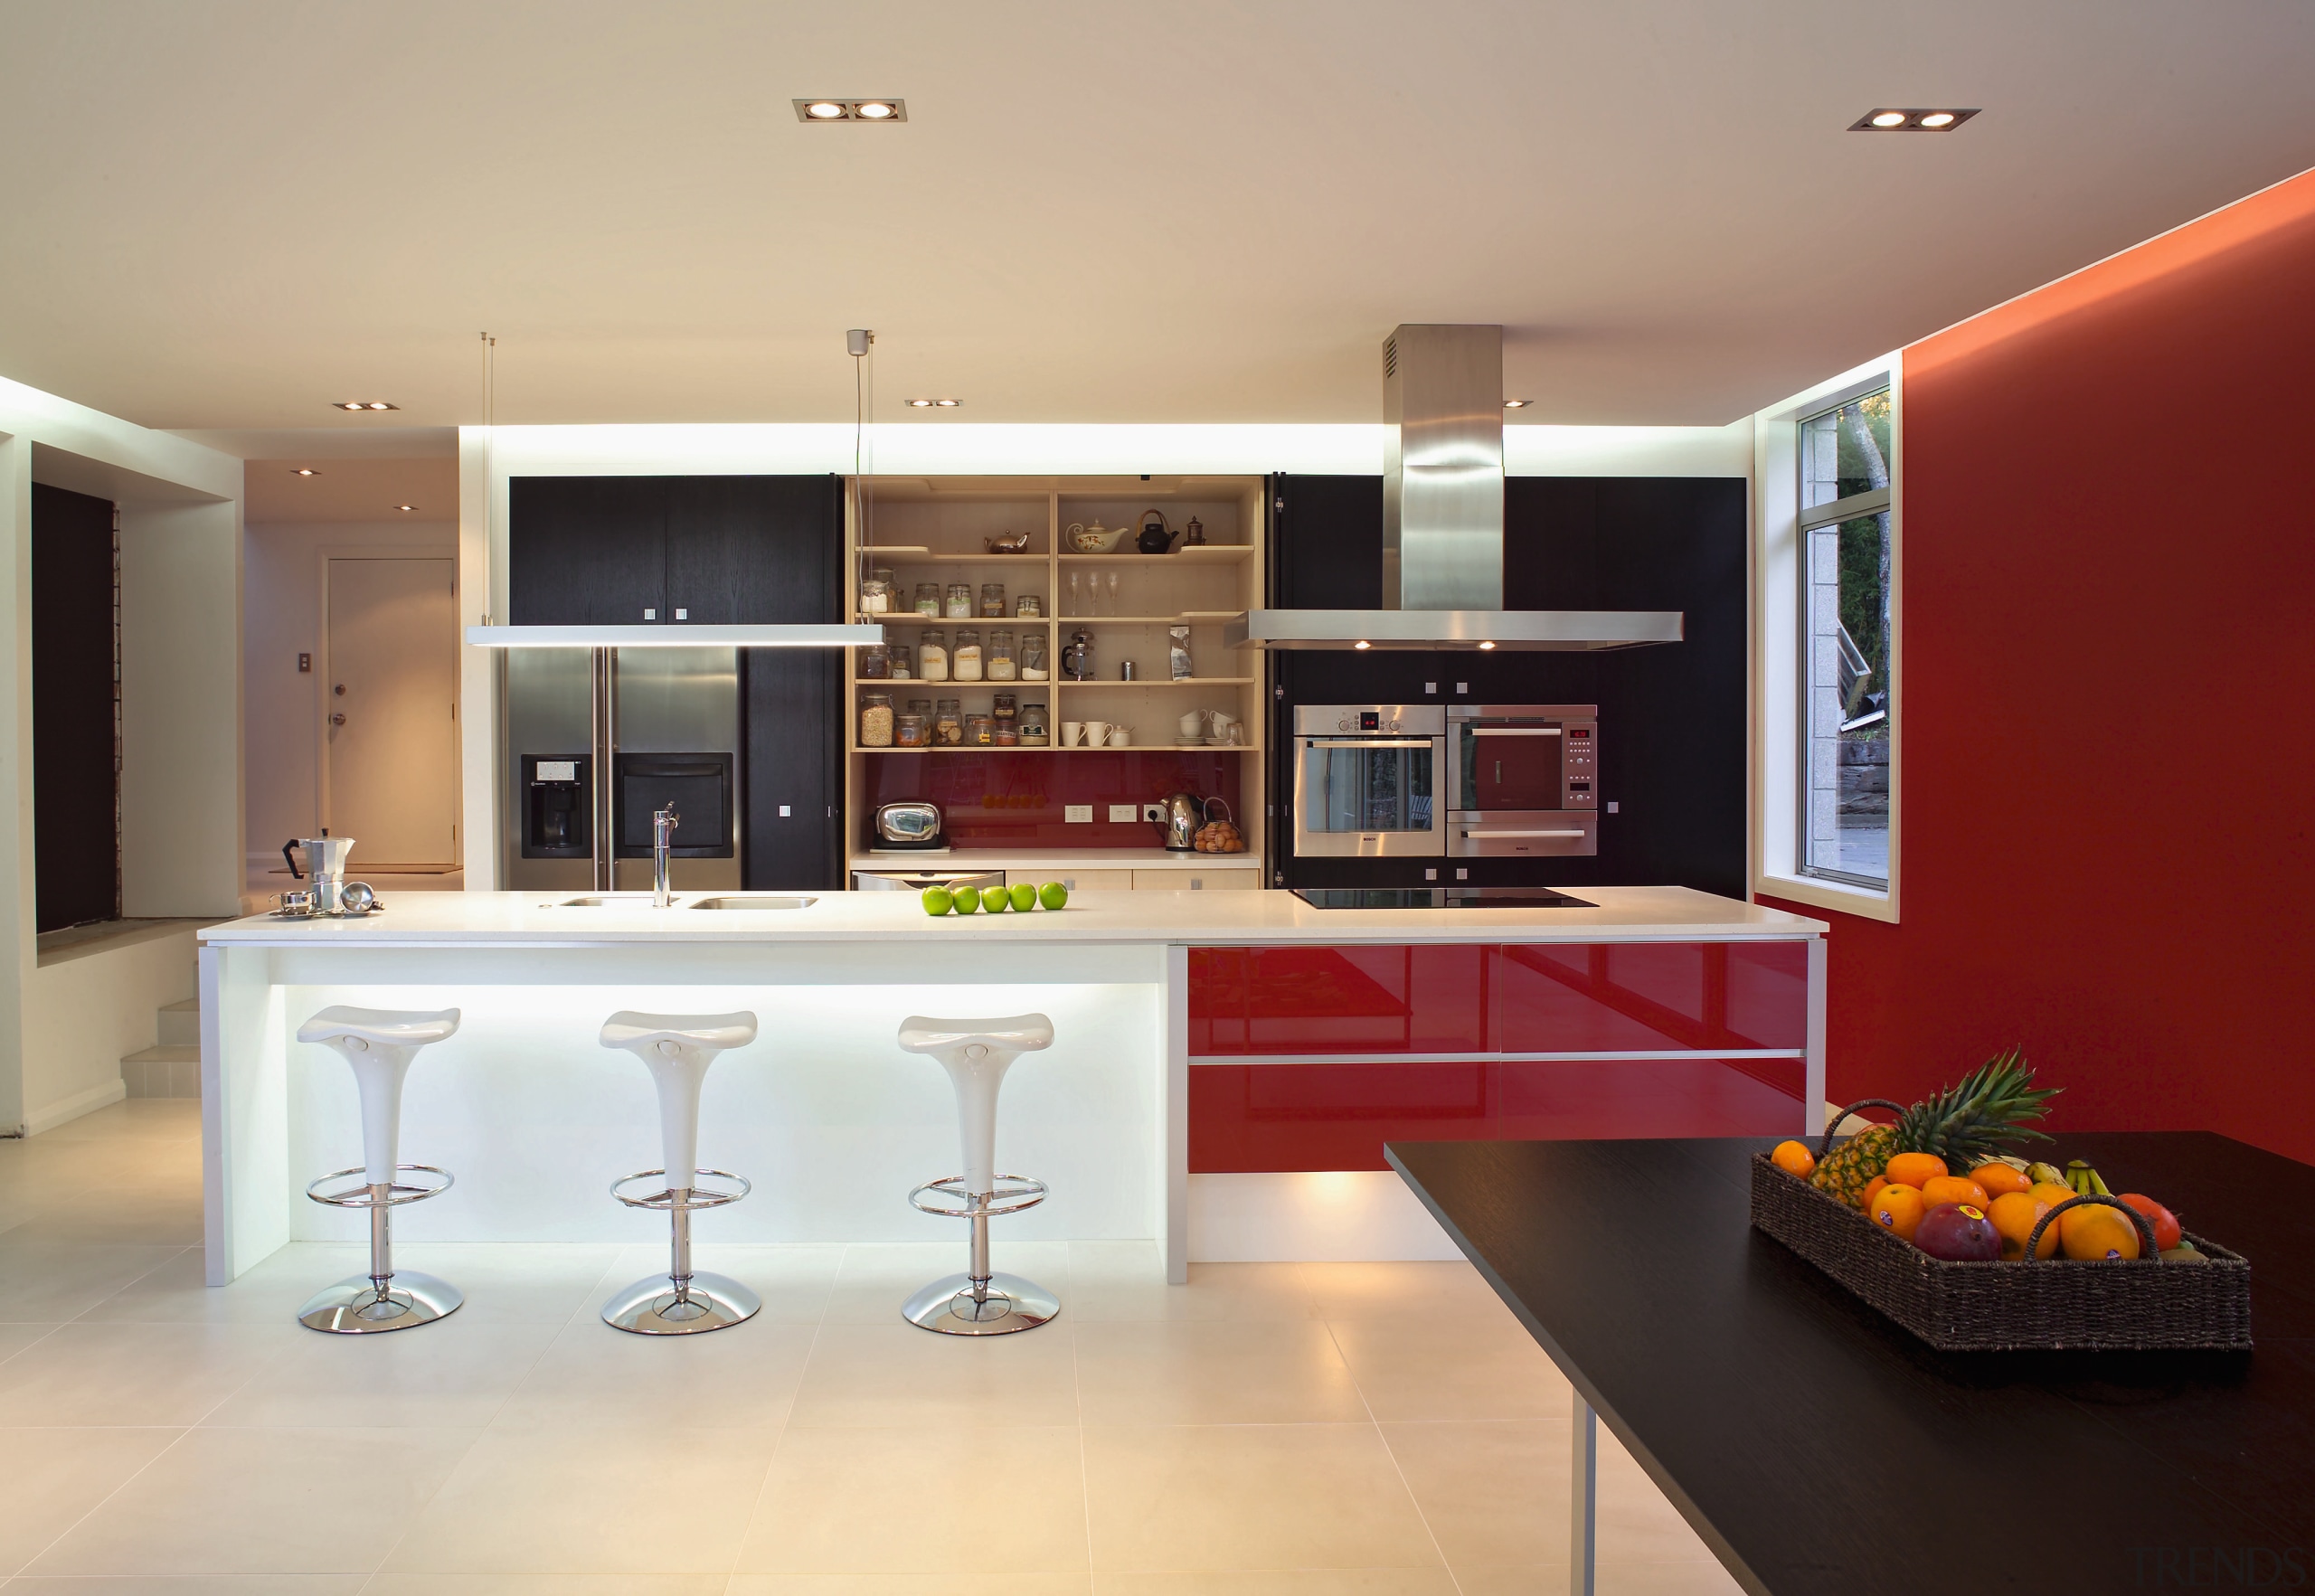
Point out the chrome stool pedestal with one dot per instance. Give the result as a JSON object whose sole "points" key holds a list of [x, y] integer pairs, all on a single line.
{"points": [[980, 1301], [677, 1050], [379, 1044]]}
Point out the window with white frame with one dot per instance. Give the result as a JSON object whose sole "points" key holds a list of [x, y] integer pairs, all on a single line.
{"points": [[1846, 714]]}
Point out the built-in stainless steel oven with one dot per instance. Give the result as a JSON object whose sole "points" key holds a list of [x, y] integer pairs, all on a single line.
{"points": [[1523, 780], [1367, 779]]}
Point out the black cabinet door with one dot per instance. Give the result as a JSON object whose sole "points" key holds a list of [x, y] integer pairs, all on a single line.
{"points": [[790, 713], [752, 549], [586, 550]]}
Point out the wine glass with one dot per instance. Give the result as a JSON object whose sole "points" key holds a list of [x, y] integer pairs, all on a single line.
{"points": [[1072, 609], [1113, 594]]}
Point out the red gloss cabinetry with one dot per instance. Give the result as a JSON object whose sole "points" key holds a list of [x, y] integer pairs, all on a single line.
{"points": [[1439, 1042]]}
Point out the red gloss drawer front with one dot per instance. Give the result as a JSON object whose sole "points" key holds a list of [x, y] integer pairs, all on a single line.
{"points": [[1262, 1118], [1533, 997]]}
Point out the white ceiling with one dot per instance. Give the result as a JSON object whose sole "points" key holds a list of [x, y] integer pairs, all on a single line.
{"points": [[226, 216], [355, 490]]}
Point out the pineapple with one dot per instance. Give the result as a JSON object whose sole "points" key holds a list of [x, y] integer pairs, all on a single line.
{"points": [[1964, 1125]]}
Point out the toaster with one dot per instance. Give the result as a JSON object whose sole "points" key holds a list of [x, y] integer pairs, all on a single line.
{"points": [[913, 825]]}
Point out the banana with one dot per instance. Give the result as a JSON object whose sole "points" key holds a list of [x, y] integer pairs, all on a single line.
{"points": [[2046, 1175], [2084, 1180]]}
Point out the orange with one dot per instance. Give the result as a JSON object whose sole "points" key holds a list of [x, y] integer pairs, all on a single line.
{"points": [[1915, 1169], [2095, 1230], [1998, 1177], [2167, 1234], [1871, 1191], [2013, 1214], [1793, 1158], [2053, 1194], [1899, 1208], [1954, 1188]]}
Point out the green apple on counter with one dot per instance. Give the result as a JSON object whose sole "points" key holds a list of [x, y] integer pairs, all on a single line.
{"points": [[938, 901], [1024, 896], [1053, 895]]}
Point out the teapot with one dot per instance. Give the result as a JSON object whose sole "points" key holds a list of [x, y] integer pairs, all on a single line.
{"points": [[1006, 543], [1156, 536], [1095, 539]]}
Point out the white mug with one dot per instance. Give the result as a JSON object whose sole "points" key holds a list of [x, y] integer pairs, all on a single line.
{"points": [[1097, 733], [1072, 733], [1121, 737], [1193, 724]]}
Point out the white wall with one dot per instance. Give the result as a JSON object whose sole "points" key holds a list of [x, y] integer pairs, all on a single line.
{"points": [[282, 617], [83, 1016]]}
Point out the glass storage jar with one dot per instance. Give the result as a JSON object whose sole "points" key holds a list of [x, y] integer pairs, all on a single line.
{"points": [[928, 598], [1028, 605], [904, 661], [921, 706], [933, 654], [875, 596], [1032, 725], [992, 600], [1000, 663], [1005, 706], [875, 719], [964, 659], [875, 663], [980, 731], [1008, 735], [1033, 655], [959, 606], [948, 724], [910, 731]]}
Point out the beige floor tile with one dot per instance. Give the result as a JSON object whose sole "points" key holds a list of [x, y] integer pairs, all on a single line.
{"points": [[1281, 1582], [795, 1282], [1549, 1579], [514, 1282], [554, 1499], [54, 1477], [594, 1376], [1466, 1368], [547, 1585], [161, 1213], [269, 1292], [876, 1279], [237, 1584], [164, 1374], [1225, 1371], [14, 1338], [1494, 1494], [1127, 1281], [1637, 1523], [457, 1373], [47, 1281], [263, 1501], [1611, 1579], [1401, 1290], [921, 1500], [953, 1582], [1249, 1496], [895, 1373]]}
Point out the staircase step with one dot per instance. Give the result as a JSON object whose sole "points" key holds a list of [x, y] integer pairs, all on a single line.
{"points": [[181, 1024], [167, 1071], [168, 1052]]}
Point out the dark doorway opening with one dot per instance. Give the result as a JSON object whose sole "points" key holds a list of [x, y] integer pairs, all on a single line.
{"points": [[76, 675]]}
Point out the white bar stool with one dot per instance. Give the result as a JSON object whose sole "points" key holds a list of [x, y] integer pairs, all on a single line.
{"points": [[976, 1054], [378, 1044], [678, 1048]]}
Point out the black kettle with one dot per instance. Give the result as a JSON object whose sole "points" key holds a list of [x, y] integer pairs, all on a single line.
{"points": [[1157, 537]]}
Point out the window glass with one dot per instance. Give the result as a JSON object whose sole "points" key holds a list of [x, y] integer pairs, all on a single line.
{"points": [[1850, 711]]}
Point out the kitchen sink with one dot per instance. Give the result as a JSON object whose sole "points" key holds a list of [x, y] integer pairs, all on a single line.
{"points": [[756, 901], [606, 900]]}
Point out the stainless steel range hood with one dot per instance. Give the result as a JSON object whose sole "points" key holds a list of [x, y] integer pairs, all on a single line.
{"points": [[1443, 523]]}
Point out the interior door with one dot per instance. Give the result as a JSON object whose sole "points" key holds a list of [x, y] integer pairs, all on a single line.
{"points": [[390, 707]]}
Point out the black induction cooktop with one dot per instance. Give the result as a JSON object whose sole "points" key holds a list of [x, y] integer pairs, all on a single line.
{"points": [[1438, 898]]}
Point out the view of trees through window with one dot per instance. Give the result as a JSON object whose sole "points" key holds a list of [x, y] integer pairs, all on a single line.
{"points": [[1845, 454]]}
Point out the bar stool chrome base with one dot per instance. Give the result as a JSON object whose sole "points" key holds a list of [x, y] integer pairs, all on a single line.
{"points": [[1006, 1303], [357, 1306], [684, 1302]]}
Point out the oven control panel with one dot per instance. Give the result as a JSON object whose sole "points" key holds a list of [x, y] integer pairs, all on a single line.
{"points": [[1578, 764]]}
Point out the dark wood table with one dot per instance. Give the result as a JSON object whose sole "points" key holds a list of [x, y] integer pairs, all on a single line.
{"points": [[1816, 1447]]}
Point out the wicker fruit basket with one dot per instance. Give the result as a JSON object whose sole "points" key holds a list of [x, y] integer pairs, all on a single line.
{"points": [[2140, 1304]]}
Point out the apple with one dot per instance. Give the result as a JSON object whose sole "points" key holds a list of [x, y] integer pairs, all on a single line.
{"points": [[1053, 895], [1024, 896], [938, 901], [1959, 1233]]}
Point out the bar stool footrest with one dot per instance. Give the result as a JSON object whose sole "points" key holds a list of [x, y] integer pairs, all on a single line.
{"points": [[1014, 1193], [397, 1194], [664, 1201]]}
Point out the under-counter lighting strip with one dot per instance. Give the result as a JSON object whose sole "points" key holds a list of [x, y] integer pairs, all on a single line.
{"points": [[675, 637]]}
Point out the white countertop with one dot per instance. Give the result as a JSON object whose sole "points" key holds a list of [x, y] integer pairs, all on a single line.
{"points": [[421, 920], [1052, 862]]}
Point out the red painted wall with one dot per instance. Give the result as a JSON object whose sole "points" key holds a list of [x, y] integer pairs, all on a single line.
{"points": [[1018, 800], [2109, 697]]}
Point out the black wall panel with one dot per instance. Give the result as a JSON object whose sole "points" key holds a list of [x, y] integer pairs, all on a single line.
{"points": [[1672, 718], [586, 550], [76, 836]]}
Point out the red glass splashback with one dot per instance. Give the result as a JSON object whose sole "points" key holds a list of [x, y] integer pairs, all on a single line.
{"points": [[1016, 800]]}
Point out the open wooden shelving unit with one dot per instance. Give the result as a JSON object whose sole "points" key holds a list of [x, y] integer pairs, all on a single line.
{"points": [[932, 529]]}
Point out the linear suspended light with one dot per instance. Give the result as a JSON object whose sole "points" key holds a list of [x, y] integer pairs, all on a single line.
{"points": [[833, 635]]}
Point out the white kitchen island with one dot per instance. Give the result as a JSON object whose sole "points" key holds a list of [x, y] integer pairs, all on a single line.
{"points": [[823, 1113]]}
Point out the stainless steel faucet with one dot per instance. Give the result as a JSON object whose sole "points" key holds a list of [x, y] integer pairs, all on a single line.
{"points": [[663, 836]]}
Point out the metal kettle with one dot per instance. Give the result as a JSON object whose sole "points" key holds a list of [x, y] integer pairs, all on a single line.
{"points": [[1184, 813]]}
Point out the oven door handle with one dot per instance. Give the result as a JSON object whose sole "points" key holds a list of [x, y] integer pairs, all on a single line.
{"points": [[1476, 831], [1515, 731], [1368, 742]]}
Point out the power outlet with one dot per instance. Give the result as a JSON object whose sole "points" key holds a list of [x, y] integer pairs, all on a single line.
{"points": [[1125, 813], [1154, 813], [1076, 812]]}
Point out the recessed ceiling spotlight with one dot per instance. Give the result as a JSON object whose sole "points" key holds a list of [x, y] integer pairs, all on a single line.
{"points": [[405, 506], [1514, 404], [363, 404], [946, 404], [834, 109], [1916, 119], [304, 471], [919, 404]]}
